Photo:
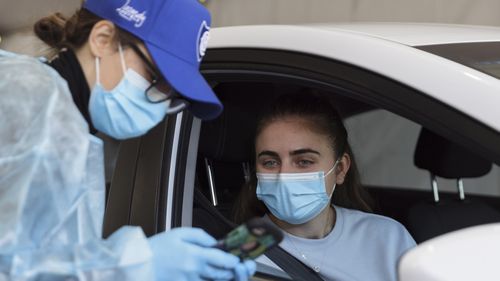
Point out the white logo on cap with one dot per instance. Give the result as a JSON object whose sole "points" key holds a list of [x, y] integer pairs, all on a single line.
{"points": [[203, 36], [131, 14]]}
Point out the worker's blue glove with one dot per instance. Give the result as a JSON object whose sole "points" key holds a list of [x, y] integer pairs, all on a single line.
{"points": [[245, 270], [187, 254]]}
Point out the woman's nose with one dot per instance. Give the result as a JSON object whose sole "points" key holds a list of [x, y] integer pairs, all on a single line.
{"points": [[286, 168]]}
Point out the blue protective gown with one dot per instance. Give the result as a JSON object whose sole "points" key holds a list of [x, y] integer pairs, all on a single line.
{"points": [[52, 186]]}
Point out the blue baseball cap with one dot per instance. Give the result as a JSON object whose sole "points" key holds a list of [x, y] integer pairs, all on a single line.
{"points": [[175, 33]]}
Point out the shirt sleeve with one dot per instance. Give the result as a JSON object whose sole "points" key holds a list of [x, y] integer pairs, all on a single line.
{"points": [[407, 241]]}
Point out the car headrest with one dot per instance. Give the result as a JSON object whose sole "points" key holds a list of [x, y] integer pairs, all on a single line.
{"points": [[447, 159], [230, 137]]}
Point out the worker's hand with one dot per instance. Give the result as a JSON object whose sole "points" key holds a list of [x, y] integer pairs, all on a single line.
{"points": [[245, 270], [187, 254]]}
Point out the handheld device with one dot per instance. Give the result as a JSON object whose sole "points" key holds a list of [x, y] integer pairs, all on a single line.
{"points": [[251, 239]]}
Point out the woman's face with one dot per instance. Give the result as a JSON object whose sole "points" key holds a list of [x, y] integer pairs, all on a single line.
{"points": [[289, 145]]}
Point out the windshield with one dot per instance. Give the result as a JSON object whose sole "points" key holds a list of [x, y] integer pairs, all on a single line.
{"points": [[482, 56]]}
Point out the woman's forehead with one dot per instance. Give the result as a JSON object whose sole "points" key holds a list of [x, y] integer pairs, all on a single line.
{"points": [[292, 126], [291, 134]]}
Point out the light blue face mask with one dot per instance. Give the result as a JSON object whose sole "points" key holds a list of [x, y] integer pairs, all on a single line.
{"points": [[294, 197], [125, 112]]}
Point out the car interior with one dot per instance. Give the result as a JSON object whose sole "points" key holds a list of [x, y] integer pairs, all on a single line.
{"points": [[225, 163]]}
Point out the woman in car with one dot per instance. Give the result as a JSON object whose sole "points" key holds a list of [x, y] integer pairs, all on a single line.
{"points": [[307, 178]]}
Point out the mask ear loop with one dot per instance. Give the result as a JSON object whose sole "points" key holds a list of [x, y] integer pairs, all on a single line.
{"points": [[97, 71], [334, 185], [122, 58], [98, 66], [333, 168], [333, 190], [177, 105]]}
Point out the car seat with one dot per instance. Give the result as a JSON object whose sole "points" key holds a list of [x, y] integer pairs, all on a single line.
{"points": [[220, 171], [224, 153], [443, 158]]}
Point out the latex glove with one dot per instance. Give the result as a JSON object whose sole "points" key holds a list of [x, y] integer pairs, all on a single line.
{"points": [[185, 254], [244, 270]]}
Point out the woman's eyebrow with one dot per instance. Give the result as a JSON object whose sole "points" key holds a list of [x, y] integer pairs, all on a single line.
{"points": [[303, 151], [268, 153]]}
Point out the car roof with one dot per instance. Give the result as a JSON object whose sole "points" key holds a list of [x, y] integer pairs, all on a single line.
{"points": [[419, 34], [388, 50], [410, 34]]}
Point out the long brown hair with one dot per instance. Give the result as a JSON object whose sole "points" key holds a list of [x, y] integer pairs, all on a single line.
{"points": [[59, 32], [323, 118]]}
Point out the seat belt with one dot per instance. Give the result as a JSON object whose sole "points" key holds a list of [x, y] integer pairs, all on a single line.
{"points": [[288, 263], [291, 265]]}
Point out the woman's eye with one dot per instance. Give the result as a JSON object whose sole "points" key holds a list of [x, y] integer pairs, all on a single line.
{"points": [[270, 163], [305, 163]]}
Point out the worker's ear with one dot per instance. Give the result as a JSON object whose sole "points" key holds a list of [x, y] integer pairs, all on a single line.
{"points": [[102, 39]]}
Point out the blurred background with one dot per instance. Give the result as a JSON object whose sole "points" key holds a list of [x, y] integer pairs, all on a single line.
{"points": [[18, 16]]}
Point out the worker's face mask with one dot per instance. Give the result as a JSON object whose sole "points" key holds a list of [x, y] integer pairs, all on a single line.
{"points": [[125, 112], [294, 197]]}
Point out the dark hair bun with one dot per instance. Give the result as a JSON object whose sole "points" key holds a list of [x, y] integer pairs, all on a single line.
{"points": [[51, 30]]}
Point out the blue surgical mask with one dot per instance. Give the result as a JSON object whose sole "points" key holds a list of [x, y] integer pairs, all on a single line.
{"points": [[294, 197], [125, 112]]}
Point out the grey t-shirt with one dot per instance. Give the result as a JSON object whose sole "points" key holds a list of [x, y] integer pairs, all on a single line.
{"points": [[361, 247]]}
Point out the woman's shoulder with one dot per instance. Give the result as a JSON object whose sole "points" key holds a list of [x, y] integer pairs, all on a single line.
{"points": [[380, 228], [360, 219], [23, 64], [25, 71], [10, 57]]}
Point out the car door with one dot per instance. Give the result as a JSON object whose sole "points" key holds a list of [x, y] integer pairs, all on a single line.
{"points": [[147, 170]]}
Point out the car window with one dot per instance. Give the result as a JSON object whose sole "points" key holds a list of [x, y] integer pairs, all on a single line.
{"points": [[384, 144]]}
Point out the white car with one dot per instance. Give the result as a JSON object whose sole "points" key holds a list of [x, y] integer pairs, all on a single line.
{"points": [[412, 95]]}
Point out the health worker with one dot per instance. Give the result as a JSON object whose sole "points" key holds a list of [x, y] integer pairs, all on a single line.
{"points": [[120, 67]]}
